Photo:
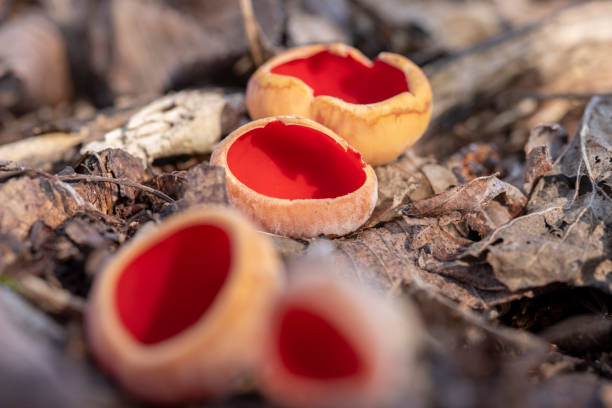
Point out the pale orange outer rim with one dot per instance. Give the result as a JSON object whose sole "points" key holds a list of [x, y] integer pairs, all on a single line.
{"points": [[301, 217], [206, 358], [373, 326], [379, 136]]}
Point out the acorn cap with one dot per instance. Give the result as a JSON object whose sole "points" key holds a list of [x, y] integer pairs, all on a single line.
{"points": [[177, 315], [381, 108], [295, 177]]}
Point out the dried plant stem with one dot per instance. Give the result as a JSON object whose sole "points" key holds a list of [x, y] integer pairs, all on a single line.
{"points": [[122, 182], [252, 31], [45, 296], [16, 171]]}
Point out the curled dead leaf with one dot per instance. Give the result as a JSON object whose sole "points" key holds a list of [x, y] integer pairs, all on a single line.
{"points": [[565, 235], [484, 204], [542, 148], [407, 179]]}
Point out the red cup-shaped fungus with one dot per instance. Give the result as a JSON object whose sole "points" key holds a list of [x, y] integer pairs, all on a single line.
{"points": [[296, 177], [381, 108], [333, 344], [178, 314]]}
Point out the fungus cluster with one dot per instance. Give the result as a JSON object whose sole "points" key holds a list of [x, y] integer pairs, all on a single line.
{"points": [[188, 308], [381, 108]]}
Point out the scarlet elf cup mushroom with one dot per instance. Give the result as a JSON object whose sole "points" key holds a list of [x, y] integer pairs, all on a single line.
{"points": [[295, 177], [381, 108], [334, 344], [178, 314]]}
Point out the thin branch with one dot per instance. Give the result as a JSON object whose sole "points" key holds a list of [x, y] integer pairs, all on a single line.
{"points": [[16, 171], [252, 31], [55, 300], [121, 182]]}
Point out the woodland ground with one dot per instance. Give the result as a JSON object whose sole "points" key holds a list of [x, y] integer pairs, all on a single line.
{"points": [[497, 224]]}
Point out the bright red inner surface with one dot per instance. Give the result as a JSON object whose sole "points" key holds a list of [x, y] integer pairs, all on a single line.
{"points": [[167, 287], [312, 347], [295, 162], [346, 78]]}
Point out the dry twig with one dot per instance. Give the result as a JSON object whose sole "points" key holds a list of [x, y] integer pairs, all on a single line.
{"points": [[16, 171], [253, 31]]}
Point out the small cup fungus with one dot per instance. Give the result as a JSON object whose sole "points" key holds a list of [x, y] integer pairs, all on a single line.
{"points": [[178, 313], [332, 344], [297, 178], [381, 108]]}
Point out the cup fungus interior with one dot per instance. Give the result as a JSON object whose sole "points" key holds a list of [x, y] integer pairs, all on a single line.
{"points": [[295, 162], [312, 347], [346, 77], [168, 286]]}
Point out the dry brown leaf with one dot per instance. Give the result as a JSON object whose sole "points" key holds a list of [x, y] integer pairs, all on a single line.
{"points": [[56, 266], [520, 369], [475, 204], [385, 253], [565, 235], [109, 198], [26, 200], [406, 179], [28, 197], [542, 148]]}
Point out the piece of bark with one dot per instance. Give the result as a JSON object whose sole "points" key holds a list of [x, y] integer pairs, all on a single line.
{"points": [[42, 151], [187, 122], [109, 198], [565, 234], [202, 184], [171, 184], [575, 31], [542, 148]]}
